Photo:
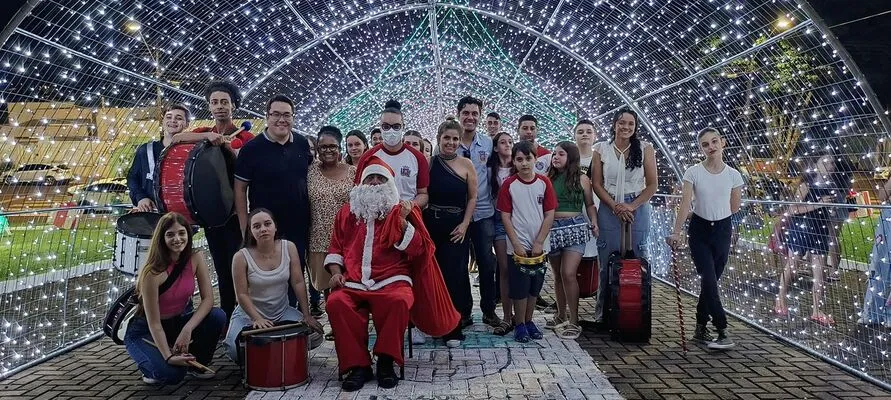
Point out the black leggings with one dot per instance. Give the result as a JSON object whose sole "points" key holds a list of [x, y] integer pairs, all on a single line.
{"points": [[223, 242], [710, 248]]}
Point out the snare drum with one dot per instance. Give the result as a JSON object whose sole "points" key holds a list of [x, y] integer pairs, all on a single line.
{"points": [[194, 179], [132, 240], [277, 360]]}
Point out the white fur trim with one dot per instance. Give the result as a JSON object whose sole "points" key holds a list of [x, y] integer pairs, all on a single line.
{"points": [[406, 237], [379, 285], [333, 259], [367, 249], [377, 169]]}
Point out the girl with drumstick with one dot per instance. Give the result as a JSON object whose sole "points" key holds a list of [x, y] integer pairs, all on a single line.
{"points": [[168, 334], [569, 235], [717, 189], [262, 271]]}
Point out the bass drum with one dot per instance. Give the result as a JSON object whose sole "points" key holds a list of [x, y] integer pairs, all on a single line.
{"points": [[132, 240], [195, 180]]}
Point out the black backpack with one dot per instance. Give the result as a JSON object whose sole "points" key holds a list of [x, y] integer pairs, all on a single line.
{"points": [[126, 306]]}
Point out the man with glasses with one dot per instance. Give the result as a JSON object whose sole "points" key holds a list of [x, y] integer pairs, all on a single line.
{"points": [[274, 166]]}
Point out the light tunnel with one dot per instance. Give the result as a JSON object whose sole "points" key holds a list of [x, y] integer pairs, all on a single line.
{"points": [[82, 84]]}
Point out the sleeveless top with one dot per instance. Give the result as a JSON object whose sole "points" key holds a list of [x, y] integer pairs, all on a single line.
{"points": [[617, 178], [177, 297], [450, 189], [566, 201], [269, 289]]}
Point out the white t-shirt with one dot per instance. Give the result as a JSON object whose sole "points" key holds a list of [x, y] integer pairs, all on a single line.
{"points": [[526, 202], [503, 174], [406, 165], [712, 191], [635, 180]]}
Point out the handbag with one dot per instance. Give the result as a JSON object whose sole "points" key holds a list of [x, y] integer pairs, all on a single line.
{"points": [[126, 306]]}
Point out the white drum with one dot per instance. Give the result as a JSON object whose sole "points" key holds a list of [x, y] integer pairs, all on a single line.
{"points": [[132, 241]]}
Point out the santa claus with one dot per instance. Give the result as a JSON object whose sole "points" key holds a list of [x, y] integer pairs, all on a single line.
{"points": [[381, 262]]}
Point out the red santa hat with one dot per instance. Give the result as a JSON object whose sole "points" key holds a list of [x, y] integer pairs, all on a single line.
{"points": [[376, 166]]}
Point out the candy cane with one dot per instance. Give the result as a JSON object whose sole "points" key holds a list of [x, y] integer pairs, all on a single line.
{"points": [[677, 290]]}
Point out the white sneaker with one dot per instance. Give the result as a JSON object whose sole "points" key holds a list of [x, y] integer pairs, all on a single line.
{"points": [[476, 281], [151, 381], [453, 343], [418, 337]]}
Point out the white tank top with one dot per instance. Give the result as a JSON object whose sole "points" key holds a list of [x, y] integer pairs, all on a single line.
{"points": [[617, 180], [269, 289]]}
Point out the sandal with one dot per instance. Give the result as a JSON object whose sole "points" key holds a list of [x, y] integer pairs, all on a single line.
{"points": [[568, 331], [553, 323], [503, 328], [823, 319]]}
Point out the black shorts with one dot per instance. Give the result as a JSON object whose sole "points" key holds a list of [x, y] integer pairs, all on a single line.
{"points": [[523, 285]]}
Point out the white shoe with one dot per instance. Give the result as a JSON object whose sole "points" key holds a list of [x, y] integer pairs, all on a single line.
{"points": [[453, 343], [151, 381], [476, 281], [417, 337]]}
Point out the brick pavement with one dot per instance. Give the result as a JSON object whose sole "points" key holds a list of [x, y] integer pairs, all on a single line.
{"points": [[490, 367]]}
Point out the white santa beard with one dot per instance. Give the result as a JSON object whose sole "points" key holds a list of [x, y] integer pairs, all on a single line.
{"points": [[370, 202]]}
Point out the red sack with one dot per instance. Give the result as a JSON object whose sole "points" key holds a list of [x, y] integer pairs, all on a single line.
{"points": [[433, 311]]}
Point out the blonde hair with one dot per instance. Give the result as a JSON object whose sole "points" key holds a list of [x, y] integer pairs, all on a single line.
{"points": [[450, 124]]}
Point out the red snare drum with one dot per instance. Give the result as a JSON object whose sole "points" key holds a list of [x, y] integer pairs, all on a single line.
{"points": [[194, 179], [277, 360]]}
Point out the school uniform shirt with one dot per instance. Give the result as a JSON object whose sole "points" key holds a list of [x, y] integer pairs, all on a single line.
{"points": [[479, 152], [712, 191], [140, 178], [526, 202], [410, 166], [542, 161]]}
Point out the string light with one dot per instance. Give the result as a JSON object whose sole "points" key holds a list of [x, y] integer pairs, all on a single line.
{"points": [[81, 84]]}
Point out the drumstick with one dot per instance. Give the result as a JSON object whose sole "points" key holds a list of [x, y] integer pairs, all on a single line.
{"points": [[195, 364], [271, 328], [677, 290], [245, 126]]}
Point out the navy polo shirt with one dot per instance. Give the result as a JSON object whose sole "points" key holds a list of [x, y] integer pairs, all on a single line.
{"points": [[276, 178]]}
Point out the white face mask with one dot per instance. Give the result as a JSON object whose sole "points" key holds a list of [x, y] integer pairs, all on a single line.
{"points": [[392, 137]]}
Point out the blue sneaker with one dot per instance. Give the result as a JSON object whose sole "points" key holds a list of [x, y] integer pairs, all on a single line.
{"points": [[533, 330], [520, 333]]}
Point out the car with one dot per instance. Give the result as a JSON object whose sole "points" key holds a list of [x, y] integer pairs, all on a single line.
{"points": [[101, 193], [38, 173]]}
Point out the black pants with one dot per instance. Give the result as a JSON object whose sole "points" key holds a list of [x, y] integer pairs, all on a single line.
{"points": [[482, 235], [452, 258], [224, 241], [710, 248]]}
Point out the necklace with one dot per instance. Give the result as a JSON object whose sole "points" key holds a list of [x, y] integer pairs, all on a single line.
{"points": [[448, 158]]}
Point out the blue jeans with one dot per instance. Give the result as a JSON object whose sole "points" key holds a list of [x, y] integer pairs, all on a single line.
{"points": [[610, 241], [482, 237], [241, 320], [149, 359]]}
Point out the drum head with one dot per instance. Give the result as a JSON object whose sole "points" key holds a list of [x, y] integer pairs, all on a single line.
{"points": [[140, 225], [279, 335], [209, 185]]}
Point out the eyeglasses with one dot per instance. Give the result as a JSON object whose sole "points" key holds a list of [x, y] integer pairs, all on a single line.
{"points": [[388, 127], [277, 115], [331, 148]]}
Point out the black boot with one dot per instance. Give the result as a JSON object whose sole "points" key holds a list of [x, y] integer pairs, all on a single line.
{"points": [[356, 378], [386, 376]]}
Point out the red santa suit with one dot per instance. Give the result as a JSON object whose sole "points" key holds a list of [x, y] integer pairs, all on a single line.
{"points": [[388, 272]]}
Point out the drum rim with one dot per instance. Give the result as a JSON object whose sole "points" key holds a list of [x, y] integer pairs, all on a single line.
{"points": [[244, 372], [117, 225], [188, 171]]}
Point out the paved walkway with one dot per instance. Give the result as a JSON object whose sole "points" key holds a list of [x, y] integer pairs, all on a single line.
{"points": [[493, 367]]}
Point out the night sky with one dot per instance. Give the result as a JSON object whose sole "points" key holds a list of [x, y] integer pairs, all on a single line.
{"points": [[868, 42]]}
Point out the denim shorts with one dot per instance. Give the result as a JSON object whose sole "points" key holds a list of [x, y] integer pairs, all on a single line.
{"points": [[500, 233], [576, 248]]}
